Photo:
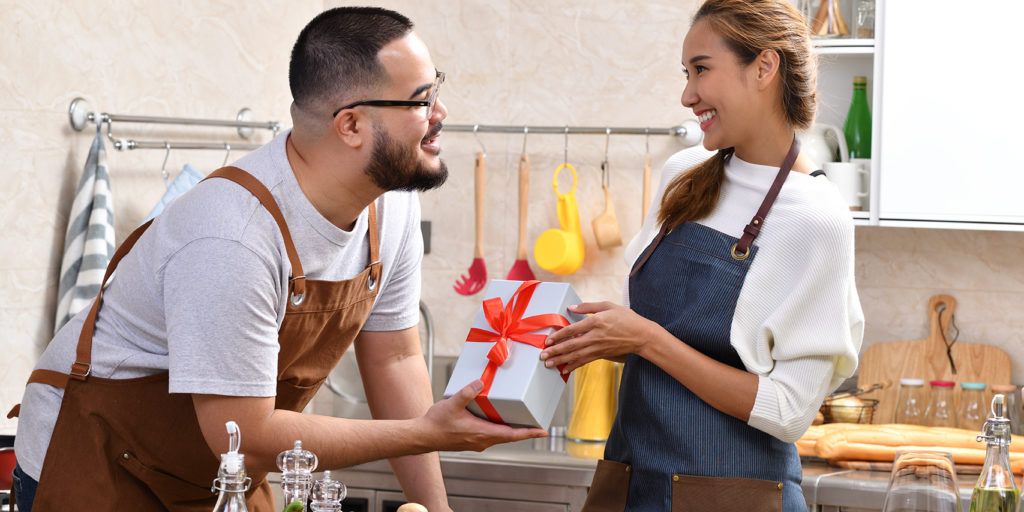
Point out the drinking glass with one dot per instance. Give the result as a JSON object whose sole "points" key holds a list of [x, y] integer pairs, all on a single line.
{"points": [[922, 481]]}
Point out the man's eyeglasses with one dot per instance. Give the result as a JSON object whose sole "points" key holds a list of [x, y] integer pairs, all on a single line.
{"points": [[428, 103]]}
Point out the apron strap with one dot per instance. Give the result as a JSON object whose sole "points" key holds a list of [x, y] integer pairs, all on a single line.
{"points": [[82, 366], [256, 188], [741, 250]]}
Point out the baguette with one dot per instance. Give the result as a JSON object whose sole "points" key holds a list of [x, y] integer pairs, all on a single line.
{"points": [[910, 435]]}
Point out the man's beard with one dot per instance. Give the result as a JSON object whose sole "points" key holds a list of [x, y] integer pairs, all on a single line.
{"points": [[394, 166]]}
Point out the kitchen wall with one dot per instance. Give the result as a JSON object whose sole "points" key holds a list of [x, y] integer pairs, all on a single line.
{"points": [[594, 63]]}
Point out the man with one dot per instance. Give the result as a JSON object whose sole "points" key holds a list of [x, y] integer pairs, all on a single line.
{"points": [[239, 299]]}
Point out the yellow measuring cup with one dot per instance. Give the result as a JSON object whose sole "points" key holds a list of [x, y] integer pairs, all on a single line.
{"points": [[560, 251]]}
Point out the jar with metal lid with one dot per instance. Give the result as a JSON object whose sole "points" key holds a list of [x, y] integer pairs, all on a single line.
{"points": [[941, 411], [972, 411], [912, 402]]}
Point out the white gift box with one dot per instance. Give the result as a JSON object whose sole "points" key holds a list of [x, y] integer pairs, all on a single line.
{"points": [[524, 392]]}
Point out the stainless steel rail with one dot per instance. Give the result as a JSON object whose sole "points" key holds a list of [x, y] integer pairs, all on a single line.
{"points": [[80, 113]]}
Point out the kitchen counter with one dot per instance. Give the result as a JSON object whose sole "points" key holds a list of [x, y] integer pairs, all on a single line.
{"points": [[539, 474]]}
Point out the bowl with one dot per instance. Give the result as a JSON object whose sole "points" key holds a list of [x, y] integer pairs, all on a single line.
{"points": [[839, 411]]}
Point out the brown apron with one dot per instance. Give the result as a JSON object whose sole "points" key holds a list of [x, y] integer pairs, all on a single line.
{"points": [[129, 444]]}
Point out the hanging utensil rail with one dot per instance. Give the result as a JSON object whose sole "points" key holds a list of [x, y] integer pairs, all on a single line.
{"points": [[79, 113], [688, 132]]}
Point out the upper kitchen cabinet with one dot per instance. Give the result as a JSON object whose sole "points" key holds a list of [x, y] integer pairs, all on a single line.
{"points": [[949, 114], [841, 57]]}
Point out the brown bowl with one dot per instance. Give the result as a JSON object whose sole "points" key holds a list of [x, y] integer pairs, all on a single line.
{"points": [[842, 413]]}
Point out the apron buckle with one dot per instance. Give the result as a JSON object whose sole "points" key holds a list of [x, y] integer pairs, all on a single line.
{"points": [[83, 374], [298, 299], [739, 256]]}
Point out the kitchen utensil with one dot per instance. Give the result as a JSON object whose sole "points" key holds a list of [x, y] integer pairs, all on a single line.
{"points": [[848, 178], [606, 226], [816, 143], [922, 481], [828, 21], [961, 469], [929, 359], [520, 270], [646, 197], [560, 251], [474, 281]]}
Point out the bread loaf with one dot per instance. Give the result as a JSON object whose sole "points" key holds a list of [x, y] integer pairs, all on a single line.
{"points": [[908, 435]]}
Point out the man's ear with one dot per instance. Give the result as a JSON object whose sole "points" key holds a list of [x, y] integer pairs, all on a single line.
{"points": [[767, 67], [351, 128]]}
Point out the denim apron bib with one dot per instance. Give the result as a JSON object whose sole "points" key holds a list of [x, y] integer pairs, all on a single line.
{"points": [[668, 450]]}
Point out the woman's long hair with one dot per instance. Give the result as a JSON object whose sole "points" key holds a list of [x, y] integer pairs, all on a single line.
{"points": [[748, 28]]}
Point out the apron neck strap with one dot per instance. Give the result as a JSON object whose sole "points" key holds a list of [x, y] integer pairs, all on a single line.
{"points": [[741, 250], [256, 188]]}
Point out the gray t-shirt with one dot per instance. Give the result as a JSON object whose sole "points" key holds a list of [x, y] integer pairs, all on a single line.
{"points": [[203, 293]]}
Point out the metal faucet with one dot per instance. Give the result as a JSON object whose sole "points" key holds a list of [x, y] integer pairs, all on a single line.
{"points": [[428, 323]]}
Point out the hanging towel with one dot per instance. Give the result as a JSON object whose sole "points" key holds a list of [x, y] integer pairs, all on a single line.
{"points": [[186, 179], [89, 242]]}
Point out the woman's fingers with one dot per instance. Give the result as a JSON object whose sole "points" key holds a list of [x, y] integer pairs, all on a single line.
{"points": [[591, 307], [570, 331]]}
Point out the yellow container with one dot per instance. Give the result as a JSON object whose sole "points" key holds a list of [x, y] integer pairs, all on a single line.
{"points": [[593, 405], [560, 251]]}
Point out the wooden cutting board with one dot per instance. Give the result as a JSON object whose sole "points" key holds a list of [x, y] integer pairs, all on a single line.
{"points": [[887, 363]]}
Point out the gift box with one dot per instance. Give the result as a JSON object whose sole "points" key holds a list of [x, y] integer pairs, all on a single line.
{"points": [[503, 349]]}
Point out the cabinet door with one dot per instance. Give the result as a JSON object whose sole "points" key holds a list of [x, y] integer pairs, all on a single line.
{"points": [[951, 112]]}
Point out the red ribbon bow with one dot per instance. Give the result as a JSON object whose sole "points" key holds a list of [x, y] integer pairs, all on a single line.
{"points": [[508, 324]]}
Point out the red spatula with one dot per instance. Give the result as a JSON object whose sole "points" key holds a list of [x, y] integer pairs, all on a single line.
{"points": [[520, 270], [476, 278]]}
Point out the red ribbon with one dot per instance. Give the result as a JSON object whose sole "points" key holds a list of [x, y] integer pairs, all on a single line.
{"points": [[508, 324]]}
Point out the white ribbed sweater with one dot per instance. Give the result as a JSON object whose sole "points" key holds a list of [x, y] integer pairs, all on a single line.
{"points": [[798, 323]]}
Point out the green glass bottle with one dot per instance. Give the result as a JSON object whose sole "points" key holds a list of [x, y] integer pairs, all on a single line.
{"points": [[858, 121], [996, 490]]}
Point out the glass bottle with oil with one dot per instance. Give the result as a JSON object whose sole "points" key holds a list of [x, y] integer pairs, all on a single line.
{"points": [[996, 490]]}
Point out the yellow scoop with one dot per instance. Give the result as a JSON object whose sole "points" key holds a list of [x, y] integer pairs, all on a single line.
{"points": [[560, 251]]}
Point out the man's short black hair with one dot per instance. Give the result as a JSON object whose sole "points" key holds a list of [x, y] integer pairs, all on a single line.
{"points": [[337, 53]]}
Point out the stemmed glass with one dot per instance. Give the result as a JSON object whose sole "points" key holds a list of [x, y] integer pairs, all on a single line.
{"points": [[922, 481]]}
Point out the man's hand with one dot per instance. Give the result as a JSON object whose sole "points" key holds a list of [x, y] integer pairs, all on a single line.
{"points": [[453, 428]]}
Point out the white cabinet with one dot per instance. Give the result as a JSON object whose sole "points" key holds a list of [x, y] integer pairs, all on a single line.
{"points": [[946, 112], [951, 113]]}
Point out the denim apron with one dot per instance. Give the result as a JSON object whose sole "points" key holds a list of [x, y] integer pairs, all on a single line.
{"points": [[668, 450]]}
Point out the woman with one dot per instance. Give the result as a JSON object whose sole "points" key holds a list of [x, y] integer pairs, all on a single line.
{"points": [[730, 345]]}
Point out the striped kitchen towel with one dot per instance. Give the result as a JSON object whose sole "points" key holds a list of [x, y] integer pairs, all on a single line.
{"points": [[89, 242]]}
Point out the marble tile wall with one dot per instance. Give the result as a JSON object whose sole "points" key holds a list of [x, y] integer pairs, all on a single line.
{"points": [[187, 59], [595, 63]]}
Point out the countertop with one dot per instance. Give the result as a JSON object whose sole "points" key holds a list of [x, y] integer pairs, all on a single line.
{"points": [[547, 462]]}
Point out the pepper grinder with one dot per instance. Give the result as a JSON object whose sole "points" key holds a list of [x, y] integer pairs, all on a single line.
{"points": [[327, 494], [297, 466]]}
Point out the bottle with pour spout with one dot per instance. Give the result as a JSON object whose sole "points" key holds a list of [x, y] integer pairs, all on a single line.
{"points": [[231, 481], [996, 490]]}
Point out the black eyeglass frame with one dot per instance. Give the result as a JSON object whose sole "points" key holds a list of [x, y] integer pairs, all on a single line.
{"points": [[429, 102]]}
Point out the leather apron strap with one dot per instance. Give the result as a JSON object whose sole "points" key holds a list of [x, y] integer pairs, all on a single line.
{"points": [[82, 366], [741, 250]]}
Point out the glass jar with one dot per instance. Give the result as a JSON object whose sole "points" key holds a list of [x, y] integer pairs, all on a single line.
{"points": [[941, 411], [865, 19], [912, 402], [972, 411], [1013, 405]]}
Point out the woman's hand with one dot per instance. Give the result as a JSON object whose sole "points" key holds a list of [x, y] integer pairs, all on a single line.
{"points": [[611, 331]]}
